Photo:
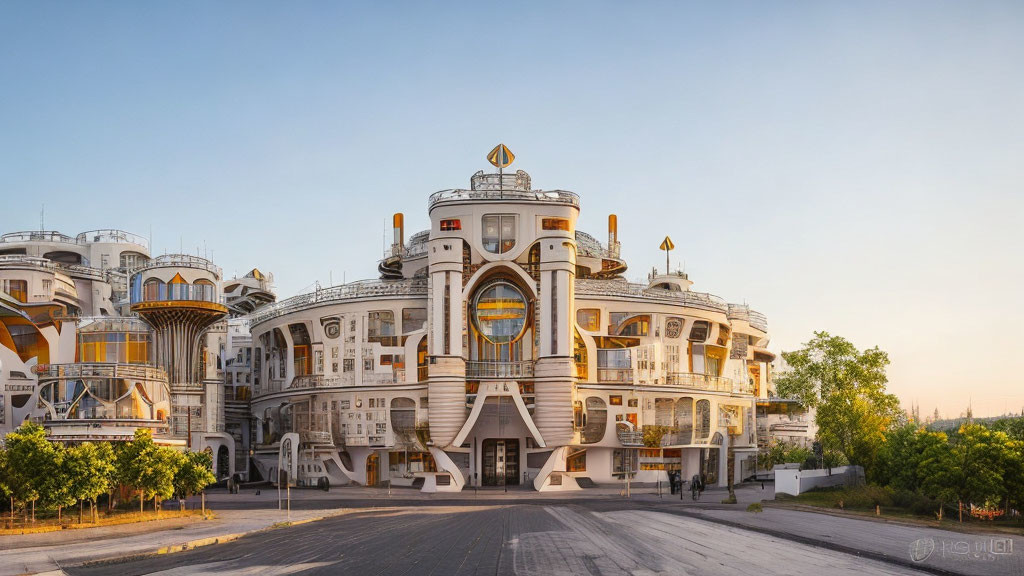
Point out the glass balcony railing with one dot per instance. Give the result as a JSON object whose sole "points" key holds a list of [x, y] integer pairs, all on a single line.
{"points": [[518, 369]]}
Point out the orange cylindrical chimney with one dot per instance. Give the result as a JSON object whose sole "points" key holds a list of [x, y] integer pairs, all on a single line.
{"points": [[613, 228], [399, 225]]}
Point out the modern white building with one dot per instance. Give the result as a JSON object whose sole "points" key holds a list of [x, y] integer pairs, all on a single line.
{"points": [[501, 347]]}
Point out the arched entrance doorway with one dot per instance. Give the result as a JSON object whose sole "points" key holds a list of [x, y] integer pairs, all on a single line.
{"points": [[223, 462], [372, 469]]}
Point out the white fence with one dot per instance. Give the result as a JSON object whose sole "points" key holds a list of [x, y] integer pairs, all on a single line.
{"points": [[795, 482]]}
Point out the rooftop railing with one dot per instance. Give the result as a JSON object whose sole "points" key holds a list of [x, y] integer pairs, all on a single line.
{"points": [[90, 237], [519, 369], [38, 236], [352, 291], [623, 289], [555, 196], [113, 236], [752, 317], [180, 261]]}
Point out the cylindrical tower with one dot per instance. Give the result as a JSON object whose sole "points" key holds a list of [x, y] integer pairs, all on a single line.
{"points": [[179, 296]]}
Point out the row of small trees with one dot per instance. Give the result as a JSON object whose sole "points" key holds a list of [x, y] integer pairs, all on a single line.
{"points": [[37, 473]]}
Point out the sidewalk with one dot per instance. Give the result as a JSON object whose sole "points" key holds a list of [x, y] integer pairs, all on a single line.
{"points": [[921, 547], [46, 552]]}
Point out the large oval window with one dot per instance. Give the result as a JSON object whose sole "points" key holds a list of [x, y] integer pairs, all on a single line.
{"points": [[500, 312]]}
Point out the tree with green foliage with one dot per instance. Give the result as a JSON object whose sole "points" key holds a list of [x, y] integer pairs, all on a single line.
{"points": [[847, 388], [898, 462], [87, 469], [784, 453], [147, 468], [969, 469], [1013, 427], [54, 492], [194, 474], [31, 459]]}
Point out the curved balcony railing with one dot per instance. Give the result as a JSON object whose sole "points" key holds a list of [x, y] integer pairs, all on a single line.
{"points": [[623, 289], [416, 288], [630, 437], [316, 437], [98, 370], [704, 382], [44, 264], [518, 369], [618, 375], [179, 261], [555, 196], [752, 317]]}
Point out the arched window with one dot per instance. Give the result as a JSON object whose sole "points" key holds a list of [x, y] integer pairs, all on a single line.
{"points": [[153, 290], [203, 290], [703, 418]]}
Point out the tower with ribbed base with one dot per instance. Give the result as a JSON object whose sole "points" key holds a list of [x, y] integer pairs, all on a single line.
{"points": [[179, 297]]}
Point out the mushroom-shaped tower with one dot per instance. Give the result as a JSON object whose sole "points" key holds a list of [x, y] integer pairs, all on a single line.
{"points": [[179, 296]]}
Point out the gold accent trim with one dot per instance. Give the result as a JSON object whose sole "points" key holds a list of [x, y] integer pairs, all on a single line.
{"points": [[179, 304]]}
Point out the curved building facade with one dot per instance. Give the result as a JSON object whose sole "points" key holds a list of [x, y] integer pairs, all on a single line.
{"points": [[503, 347]]}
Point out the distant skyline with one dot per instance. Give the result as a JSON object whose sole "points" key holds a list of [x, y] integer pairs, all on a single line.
{"points": [[854, 168]]}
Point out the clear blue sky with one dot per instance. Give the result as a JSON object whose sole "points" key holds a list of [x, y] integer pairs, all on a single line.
{"points": [[851, 167]]}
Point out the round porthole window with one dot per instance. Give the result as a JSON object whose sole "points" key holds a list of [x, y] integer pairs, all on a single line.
{"points": [[500, 312]]}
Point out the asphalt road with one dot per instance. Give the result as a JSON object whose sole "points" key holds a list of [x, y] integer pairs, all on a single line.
{"points": [[516, 539]]}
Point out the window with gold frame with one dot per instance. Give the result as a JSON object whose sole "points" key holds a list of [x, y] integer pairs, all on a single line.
{"points": [[589, 319]]}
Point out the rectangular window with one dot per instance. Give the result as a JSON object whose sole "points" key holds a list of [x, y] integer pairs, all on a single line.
{"points": [[576, 461], [348, 364], [615, 400], [589, 319], [451, 225], [699, 331], [498, 233], [624, 461], [381, 328], [367, 364], [413, 319], [385, 359], [632, 402], [554, 224], [18, 289]]}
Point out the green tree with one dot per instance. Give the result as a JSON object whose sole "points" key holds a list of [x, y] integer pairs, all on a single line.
{"points": [[87, 469], [31, 460], [898, 461], [784, 453], [194, 474], [847, 388], [147, 468], [1013, 427], [54, 493], [5, 488], [969, 469]]}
